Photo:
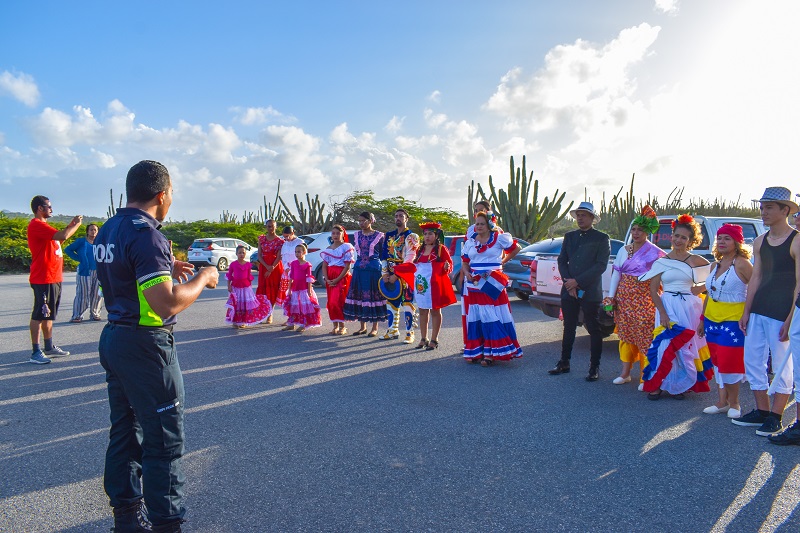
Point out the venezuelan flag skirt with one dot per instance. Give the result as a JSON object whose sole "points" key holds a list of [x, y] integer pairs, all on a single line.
{"points": [[725, 339]]}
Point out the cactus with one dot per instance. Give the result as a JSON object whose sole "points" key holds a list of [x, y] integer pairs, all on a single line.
{"points": [[527, 220], [473, 195], [227, 218], [311, 219], [111, 209]]}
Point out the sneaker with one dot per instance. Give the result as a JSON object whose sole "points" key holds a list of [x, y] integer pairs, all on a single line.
{"points": [[56, 352], [790, 435], [771, 426], [38, 358], [754, 418], [131, 519]]}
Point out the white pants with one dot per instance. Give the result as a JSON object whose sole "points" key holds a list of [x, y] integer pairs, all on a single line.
{"points": [[794, 341], [761, 340]]}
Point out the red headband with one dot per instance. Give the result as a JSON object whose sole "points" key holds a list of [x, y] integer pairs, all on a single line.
{"points": [[734, 231]]}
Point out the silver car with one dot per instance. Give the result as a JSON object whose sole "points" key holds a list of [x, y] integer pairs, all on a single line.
{"points": [[216, 251]]}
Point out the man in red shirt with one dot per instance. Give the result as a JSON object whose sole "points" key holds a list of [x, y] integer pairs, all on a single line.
{"points": [[47, 263]]}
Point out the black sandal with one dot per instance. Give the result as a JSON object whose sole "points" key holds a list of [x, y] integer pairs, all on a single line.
{"points": [[422, 344], [432, 345], [359, 332], [654, 395], [487, 362]]}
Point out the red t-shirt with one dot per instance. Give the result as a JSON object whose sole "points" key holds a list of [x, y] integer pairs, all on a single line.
{"points": [[47, 257]]}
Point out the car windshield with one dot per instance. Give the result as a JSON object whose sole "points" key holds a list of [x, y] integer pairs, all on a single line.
{"points": [[549, 246]]}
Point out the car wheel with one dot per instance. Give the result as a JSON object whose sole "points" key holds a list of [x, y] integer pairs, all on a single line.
{"points": [[318, 276], [223, 264], [522, 295]]}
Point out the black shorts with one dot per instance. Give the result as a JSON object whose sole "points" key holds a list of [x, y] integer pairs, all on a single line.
{"points": [[46, 299]]}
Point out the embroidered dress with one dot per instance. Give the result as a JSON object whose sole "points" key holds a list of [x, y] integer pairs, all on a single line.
{"points": [[300, 308], [432, 286], [336, 261], [634, 312], [287, 256], [724, 307], [678, 360], [243, 307], [398, 255], [270, 285], [490, 330], [364, 301]]}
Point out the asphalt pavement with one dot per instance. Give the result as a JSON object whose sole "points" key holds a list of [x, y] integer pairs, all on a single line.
{"points": [[312, 432]]}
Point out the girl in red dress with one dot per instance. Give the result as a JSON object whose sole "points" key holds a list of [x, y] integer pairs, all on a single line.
{"points": [[337, 260], [269, 265], [432, 287], [302, 306]]}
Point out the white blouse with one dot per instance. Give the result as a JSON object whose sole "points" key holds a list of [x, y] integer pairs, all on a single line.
{"points": [[344, 253]]}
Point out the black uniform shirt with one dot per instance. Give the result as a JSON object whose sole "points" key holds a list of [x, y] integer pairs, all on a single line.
{"points": [[132, 256]]}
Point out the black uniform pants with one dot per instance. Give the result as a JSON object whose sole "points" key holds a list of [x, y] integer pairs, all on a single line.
{"points": [[145, 394], [570, 309]]}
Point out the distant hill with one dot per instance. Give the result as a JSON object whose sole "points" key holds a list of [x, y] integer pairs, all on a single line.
{"points": [[55, 218]]}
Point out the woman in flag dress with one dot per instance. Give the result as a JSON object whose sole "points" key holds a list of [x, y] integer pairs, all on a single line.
{"points": [[432, 287], [678, 360], [490, 333], [727, 291]]}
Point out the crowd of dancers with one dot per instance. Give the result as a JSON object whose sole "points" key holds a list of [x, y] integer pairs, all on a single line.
{"points": [[392, 277], [683, 320]]}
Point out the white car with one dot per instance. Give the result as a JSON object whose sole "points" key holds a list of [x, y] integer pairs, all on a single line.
{"points": [[316, 242], [215, 251]]}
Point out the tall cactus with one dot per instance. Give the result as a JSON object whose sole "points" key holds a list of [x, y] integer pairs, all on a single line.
{"points": [[111, 209], [528, 220], [311, 219]]}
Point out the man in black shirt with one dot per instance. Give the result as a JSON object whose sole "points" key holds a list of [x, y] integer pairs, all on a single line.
{"points": [[581, 263], [137, 350]]}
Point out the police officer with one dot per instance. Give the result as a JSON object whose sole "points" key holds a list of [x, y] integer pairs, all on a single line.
{"points": [[137, 350]]}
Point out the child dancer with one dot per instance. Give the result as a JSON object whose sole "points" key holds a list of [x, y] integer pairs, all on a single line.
{"points": [[302, 306], [337, 260], [244, 308]]}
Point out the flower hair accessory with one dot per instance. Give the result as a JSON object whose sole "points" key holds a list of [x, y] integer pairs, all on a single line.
{"points": [[683, 219], [647, 220], [431, 225], [492, 218]]}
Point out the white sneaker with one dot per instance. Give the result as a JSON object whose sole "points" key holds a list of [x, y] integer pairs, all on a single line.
{"points": [[734, 413], [714, 410], [641, 387], [621, 381]]}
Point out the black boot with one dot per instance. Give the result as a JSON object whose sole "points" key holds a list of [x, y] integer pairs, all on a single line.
{"points": [[131, 519], [172, 527], [594, 373], [562, 367]]}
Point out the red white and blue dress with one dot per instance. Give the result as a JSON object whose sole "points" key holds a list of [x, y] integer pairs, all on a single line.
{"points": [[490, 331]]}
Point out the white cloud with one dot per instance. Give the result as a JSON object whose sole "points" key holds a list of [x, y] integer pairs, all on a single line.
{"points": [[435, 97], [670, 7], [22, 87], [434, 120], [256, 115], [394, 125], [579, 86]]}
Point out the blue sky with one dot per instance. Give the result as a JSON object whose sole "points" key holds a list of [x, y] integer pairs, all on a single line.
{"points": [[412, 98]]}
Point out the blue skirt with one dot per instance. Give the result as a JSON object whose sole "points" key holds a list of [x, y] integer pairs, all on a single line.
{"points": [[365, 302]]}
